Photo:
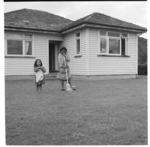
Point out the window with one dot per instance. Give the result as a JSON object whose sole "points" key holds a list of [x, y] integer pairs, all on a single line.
{"points": [[114, 46], [19, 45], [103, 45], [28, 48], [113, 43], [14, 47], [113, 34], [78, 51], [124, 44]]}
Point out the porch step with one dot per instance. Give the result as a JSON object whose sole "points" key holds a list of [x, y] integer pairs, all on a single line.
{"points": [[51, 76]]}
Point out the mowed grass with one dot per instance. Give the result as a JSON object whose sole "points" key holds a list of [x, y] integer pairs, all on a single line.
{"points": [[109, 112]]}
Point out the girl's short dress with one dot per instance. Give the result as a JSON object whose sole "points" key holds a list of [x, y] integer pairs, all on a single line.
{"points": [[62, 73], [39, 78]]}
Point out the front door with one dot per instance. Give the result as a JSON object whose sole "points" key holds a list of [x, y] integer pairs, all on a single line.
{"points": [[51, 57]]}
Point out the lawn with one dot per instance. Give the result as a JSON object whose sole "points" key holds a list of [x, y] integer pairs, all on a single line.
{"points": [[106, 112]]}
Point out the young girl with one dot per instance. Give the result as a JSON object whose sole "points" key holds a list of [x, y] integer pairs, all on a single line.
{"points": [[39, 75], [63, 59]]}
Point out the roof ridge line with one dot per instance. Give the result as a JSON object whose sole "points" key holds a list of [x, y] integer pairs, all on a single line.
{"points": [[90, 16]]}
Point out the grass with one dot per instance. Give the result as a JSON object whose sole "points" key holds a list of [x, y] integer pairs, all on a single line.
{"points": [[110, 112]]}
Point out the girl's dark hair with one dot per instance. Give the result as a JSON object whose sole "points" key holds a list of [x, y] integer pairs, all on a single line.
{"points": [[63, 48], [35, 65]]}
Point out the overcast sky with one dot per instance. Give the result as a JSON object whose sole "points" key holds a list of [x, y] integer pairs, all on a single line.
{"points": [[134, 12]]}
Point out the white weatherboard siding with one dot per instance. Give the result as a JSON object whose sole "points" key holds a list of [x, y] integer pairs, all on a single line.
{"points": [[24, 66], [88, 64], [77, 64], [19, 66], [41, 44], [99, 65], [41, 49]]}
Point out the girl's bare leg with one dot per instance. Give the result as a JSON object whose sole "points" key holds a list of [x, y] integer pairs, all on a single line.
{"points": [[69, 81], [39, 88], [62, 84]]}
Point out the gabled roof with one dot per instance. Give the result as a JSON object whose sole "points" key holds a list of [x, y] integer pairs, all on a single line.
{"points": [[101, 19], [35, 19]]}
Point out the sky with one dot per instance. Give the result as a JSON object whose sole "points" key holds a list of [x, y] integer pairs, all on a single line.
{"points": [[134, 12]]}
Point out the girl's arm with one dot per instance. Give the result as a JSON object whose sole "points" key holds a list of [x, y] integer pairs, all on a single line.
{"points": [[67, 58], [60, 62], [43, 69], [36, 69]]}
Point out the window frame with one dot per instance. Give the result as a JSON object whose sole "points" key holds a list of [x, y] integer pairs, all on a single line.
{"points": [[17, 38], [126, 42], [77, 38], [107, 43]]}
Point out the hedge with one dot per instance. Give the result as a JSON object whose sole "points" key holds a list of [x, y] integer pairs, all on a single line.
{"points": [[142, 69]]}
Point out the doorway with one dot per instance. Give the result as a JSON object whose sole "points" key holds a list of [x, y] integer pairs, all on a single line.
{"points": [[52, 57]]}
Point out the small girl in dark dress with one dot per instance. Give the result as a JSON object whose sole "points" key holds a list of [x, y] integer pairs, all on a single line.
{"points": [[39, 75]]}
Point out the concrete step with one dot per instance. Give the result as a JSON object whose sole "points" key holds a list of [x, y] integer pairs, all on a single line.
{"points": [[51, 76]]}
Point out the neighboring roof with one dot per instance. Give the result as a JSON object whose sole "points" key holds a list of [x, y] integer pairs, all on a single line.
{"points": [[35, 19], [101, 19]]}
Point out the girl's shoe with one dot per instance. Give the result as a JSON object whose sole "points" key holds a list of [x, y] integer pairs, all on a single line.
{"points": [[62, 89], [73, 87], [39, 83]]}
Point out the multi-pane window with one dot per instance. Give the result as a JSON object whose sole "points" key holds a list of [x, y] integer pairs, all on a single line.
{"points": [[103, 45], [113, 43], [78, 44], [124, 44], [14, 47], [18, 44], [28, 45], [103, 42], [114, 46]]}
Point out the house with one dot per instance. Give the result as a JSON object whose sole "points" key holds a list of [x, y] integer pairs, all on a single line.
{"points": [[98, 44]]}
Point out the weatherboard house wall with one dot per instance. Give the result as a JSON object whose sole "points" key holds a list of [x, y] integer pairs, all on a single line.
{"points": [[99, 65], [78, 63], [113, 65], [23, 65], [63, 32]]}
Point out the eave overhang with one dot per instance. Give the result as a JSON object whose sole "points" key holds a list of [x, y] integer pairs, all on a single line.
{"points": [[32, 30], [77, 27], [103, 27]]}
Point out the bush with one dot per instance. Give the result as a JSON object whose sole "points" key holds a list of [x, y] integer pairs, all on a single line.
{"points": [[142, 69]]}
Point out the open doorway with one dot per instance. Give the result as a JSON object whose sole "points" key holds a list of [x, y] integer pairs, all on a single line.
{"points": [[52, 67]]}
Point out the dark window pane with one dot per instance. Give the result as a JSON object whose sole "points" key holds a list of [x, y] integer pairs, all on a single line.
{"points": [[28, 36], [78, 35], [123, 46], [124, 35], [114, 46], [103, 45], [113, 34], [103, 33], [28, 48], [14, 47], [78, 46]]}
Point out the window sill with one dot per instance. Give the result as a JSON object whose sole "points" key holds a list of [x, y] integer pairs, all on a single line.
{"points": [[113, 55], [78, 55], [19, 56]]}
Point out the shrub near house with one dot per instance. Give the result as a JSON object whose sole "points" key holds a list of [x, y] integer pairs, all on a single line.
{"points": [[142, 56]]}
